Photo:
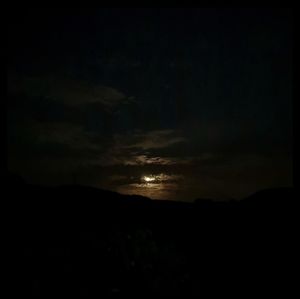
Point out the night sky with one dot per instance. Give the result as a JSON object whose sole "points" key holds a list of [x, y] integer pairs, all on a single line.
{"points": [[167, 103]]}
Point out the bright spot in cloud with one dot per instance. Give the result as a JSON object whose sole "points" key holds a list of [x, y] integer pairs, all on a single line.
{"points": [[149, 178], [155, 186]]}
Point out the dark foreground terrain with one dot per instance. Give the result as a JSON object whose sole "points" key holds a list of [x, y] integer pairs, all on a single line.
{"points": [[75, 240]]}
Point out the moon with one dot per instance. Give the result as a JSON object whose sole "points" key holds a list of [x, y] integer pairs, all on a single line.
{"points": [[148, 178]]}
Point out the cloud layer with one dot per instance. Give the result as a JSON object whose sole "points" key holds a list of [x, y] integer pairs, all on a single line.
{"points": [[68, 90]]}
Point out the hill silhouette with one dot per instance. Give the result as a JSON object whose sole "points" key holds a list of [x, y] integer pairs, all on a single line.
{"points": [[76, 240]]}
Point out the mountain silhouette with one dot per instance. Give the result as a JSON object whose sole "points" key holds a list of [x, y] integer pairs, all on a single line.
{"points": [[77, 240]]}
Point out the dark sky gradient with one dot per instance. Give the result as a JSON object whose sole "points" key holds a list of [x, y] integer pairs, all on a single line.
{"points": [[200, 99]]}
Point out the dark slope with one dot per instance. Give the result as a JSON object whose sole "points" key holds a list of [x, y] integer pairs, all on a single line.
{"points": [[75, 240]]}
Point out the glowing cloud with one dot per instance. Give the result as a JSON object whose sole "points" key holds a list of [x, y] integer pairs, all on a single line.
{"points": [[148, 178]]}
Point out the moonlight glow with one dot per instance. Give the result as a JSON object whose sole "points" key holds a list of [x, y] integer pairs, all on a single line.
{"points": [[149, 178]]}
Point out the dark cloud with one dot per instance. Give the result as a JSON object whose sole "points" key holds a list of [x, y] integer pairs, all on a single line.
{"points": [[149, 140], [70, 91]]}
